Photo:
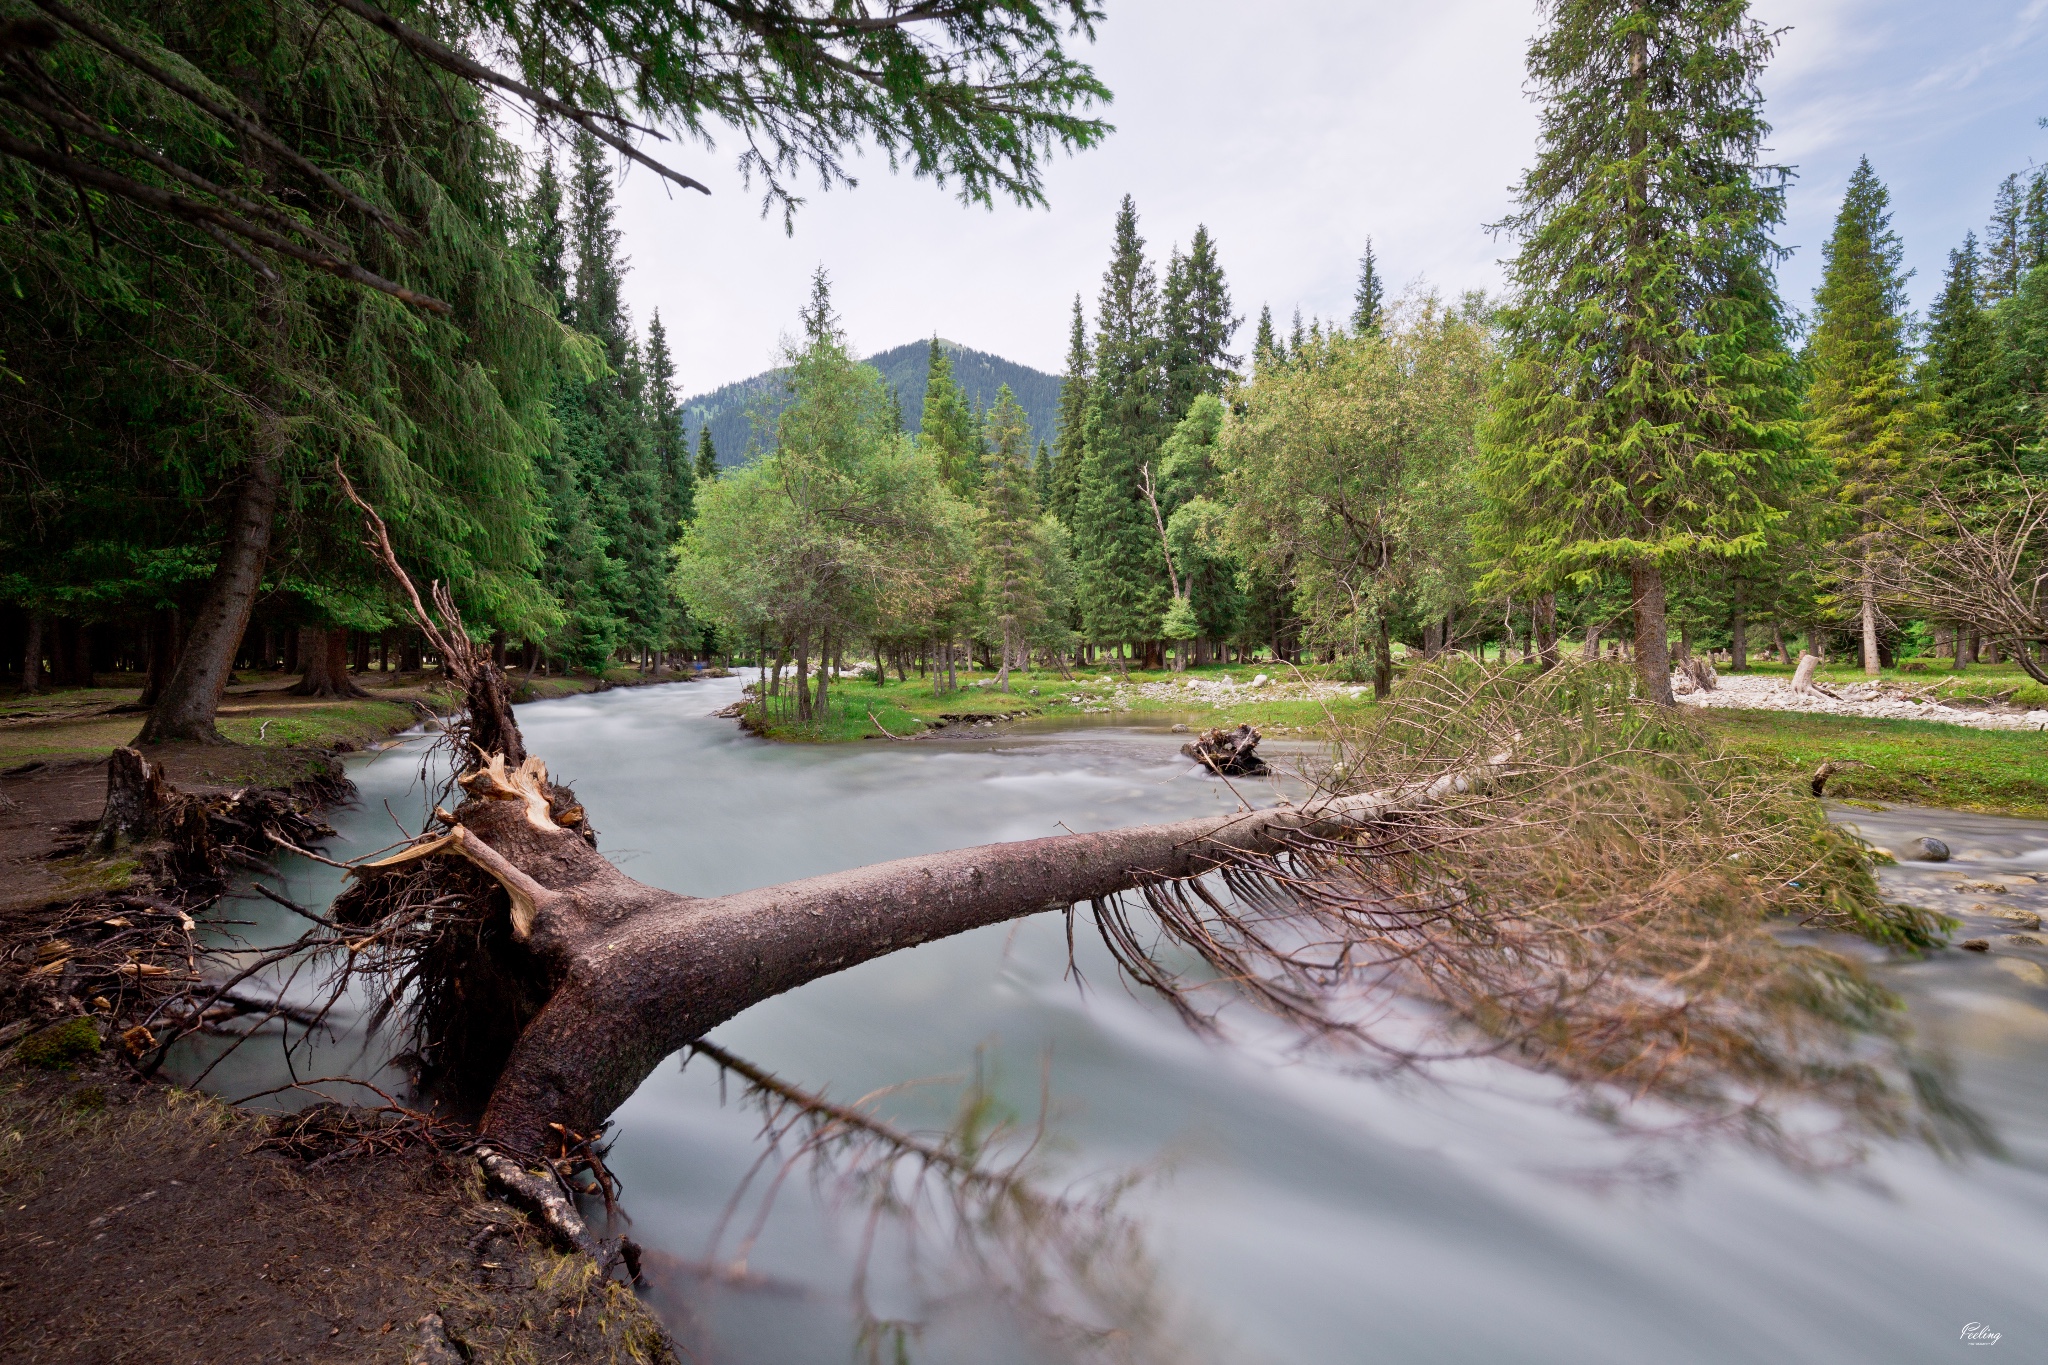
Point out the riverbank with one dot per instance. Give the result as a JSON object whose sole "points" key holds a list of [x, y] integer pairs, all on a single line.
{"points": [[1276, 699], [149, 1222], [1926, 762]]}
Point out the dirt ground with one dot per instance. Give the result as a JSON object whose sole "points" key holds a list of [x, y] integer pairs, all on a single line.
{"points": [[142, 1224]]}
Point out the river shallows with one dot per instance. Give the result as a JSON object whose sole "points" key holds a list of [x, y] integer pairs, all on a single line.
{"points": [[1300, 1214]]}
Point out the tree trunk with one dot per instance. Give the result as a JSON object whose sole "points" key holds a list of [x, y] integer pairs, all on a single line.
{"points": [[191, 699], [1738, 634], [803, 677], [163, 654], [325, 653], [1003, 673], [1871, 663], [1653, 658], [1382, 658], [631, 973], [1543, 621], [32, 653], [827, 664]]}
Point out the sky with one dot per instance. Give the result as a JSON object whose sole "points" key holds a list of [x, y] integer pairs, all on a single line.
{"points": [[1295, 129]]}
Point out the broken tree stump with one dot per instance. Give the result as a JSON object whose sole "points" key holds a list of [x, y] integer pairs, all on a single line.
{"points": [[1228, 753]]}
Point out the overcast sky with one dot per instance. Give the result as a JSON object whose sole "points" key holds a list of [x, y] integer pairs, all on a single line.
{"points": [[1296, 128]]}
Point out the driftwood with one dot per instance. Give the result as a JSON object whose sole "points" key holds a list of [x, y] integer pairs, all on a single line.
{"points": [[1228, 753]]}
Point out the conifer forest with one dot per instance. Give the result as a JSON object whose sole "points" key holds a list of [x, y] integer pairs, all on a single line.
{"points": [[1643, 646]]}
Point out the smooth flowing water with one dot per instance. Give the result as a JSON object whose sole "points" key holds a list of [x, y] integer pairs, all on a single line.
{"points": [[1292, 1211]]}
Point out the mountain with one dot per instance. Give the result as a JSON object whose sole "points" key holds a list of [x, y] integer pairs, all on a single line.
{"points": [[905, 369]]}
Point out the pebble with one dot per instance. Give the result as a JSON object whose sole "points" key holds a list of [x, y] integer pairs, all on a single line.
{"points": [[1975, 945], [1928, 849]]}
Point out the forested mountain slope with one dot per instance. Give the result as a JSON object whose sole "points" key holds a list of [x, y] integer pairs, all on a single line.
{"points": [[904, 368]]}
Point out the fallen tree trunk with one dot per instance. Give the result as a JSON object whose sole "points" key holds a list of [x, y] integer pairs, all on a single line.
{"points": [[637, 972]]}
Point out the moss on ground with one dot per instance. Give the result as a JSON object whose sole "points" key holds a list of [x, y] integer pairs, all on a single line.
{"points": [[60, 1046]]}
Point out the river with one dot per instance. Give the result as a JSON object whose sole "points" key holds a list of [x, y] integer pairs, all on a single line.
{"points": [[1291, 1209]]}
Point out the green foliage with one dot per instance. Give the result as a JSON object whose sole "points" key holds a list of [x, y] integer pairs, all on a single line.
{"points": [[1123, 578], [172, 354], [948, 430], [1962, 368], [1863, 414], [1368, 302], [1643, 415], [843, 531], [1197, 324], [1070, 446], [1350, 471]]}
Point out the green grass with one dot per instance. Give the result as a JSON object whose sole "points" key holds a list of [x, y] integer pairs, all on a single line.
{"points": [[913, 707], [1916, 762]]}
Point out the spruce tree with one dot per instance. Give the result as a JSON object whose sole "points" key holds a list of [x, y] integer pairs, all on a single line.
{"points": [[1639, 423], [594, 303], [1198, 325], [1009, 515], [1042, 475], [1861, 403], [1297, 338], [671, 444], [1123, 583], [547, 238], [1266, 348], [948, 428], [2005, 242], [707, 457], [1961, 366], [1368, 303], [1070, 441]]}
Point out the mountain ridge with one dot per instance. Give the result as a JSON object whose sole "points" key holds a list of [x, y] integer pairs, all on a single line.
{"points": [[905, 368]]}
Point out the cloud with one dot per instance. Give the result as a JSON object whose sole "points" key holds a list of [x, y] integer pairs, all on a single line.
{"points": [[1296, 128]]}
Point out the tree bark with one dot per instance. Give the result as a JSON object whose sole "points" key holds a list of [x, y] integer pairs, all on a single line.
{"points": [[638, 972], [1383, 658], [191, 699], [1871, 663], [1653, 657], [32, 653], [163, 654], [1738, 634], [1543, 622], [326, 656]]}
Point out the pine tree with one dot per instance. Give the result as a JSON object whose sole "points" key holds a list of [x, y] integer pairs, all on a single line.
{"points": [[547, 238], [1297, 338], [605, 468], [1198, 325], [1861, 404], [1123, 584], [1266, 348], [594, 304], [1638, 423], [707, 457], [1961, 367], [1070, 442], [1368, 303], [671, 444], [2005, 242], [1042, 475], [948, 428], [1009, 515]]}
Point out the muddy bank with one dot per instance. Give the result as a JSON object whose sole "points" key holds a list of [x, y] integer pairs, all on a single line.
{"points": [[151, 1223]]}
